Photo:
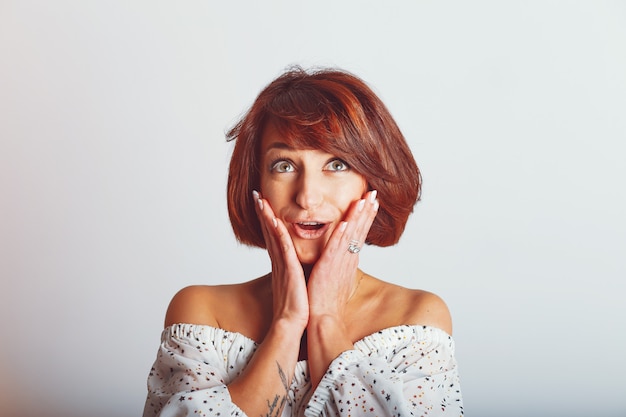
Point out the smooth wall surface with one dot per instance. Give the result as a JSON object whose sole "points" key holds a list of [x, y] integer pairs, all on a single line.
{"points": [[113, 168]]}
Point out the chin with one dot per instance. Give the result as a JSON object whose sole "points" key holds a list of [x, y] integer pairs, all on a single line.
{"points": [[308, 256], [308, 260]]}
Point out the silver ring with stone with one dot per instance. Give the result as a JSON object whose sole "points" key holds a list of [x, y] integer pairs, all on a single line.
{"points": [[353, 246]]}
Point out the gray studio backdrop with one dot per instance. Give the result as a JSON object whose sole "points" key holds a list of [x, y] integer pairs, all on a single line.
{"points": [[113, 168]]}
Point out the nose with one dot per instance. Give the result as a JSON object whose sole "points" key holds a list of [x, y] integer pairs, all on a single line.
{"points": [[309, 192]]}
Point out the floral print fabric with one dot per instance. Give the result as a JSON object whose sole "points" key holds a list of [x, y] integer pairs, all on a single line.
{"points": [[398, 371]]}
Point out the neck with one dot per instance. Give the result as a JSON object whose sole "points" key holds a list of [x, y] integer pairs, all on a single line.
{"points": [[358, 277], [307, 271]]}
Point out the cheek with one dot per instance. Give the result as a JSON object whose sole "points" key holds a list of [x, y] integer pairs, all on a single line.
{"points": [[275, 194], [360, 188], [265, 188], [350, 194]]}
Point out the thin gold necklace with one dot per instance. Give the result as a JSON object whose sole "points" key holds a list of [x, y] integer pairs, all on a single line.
{"points": [[357, 286]]}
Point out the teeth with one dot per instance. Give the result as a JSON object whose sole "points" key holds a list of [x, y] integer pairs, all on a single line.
{"points": [[310, 223]]}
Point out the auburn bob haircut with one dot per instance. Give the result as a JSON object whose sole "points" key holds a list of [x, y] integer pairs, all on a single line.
{"points": [[335, 112]]}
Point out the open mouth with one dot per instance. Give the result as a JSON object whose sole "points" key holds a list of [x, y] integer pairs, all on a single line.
{"points": [[310, 225], [309, 230]]}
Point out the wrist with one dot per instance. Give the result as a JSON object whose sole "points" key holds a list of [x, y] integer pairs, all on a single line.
{"points": [[328, 337], [288, 327], [326, 325]]}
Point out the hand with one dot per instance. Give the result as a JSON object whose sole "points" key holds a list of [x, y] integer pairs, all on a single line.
{"points": [[289, 290], [331, 283]]}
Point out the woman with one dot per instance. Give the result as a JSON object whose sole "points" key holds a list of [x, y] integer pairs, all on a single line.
{"points": [[318, 169]]}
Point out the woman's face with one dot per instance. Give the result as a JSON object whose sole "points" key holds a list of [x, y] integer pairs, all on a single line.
{"points": [[309, 190]]}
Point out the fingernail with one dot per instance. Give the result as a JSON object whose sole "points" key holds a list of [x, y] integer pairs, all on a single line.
{"points": [[360, 205], [373, 195], [342, 226], [376, 205], [274, 221], [257, 198]]}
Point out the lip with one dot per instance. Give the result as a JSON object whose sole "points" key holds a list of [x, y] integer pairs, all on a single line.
{"points": [[306, 229]]}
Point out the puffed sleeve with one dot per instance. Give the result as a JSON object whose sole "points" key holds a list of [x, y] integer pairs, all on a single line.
{"points": [[401, 371], [193, 365]]}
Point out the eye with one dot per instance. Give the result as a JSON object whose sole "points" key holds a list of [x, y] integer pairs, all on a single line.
{"points": [[337, 165], [282, 166]]}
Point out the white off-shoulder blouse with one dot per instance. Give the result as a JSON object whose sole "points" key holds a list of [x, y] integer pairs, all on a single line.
{"points": [[399, 371]]}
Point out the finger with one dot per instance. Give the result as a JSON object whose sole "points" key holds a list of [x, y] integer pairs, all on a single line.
{"points": [[368, 214], [360, 218], [268, 225], [277, 239], [288, 250]]}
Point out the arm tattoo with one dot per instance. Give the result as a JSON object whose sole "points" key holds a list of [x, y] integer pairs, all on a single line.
{"points": [[283, 377], [275, 407]]}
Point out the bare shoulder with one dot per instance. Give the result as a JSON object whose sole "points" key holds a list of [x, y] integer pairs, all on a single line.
{"points": [[193, 304], [209, 304], [428, 309], [416, 306]]}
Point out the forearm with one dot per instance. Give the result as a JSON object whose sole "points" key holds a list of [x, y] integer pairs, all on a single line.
{"points": [[327, 339], [262, 388]]}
